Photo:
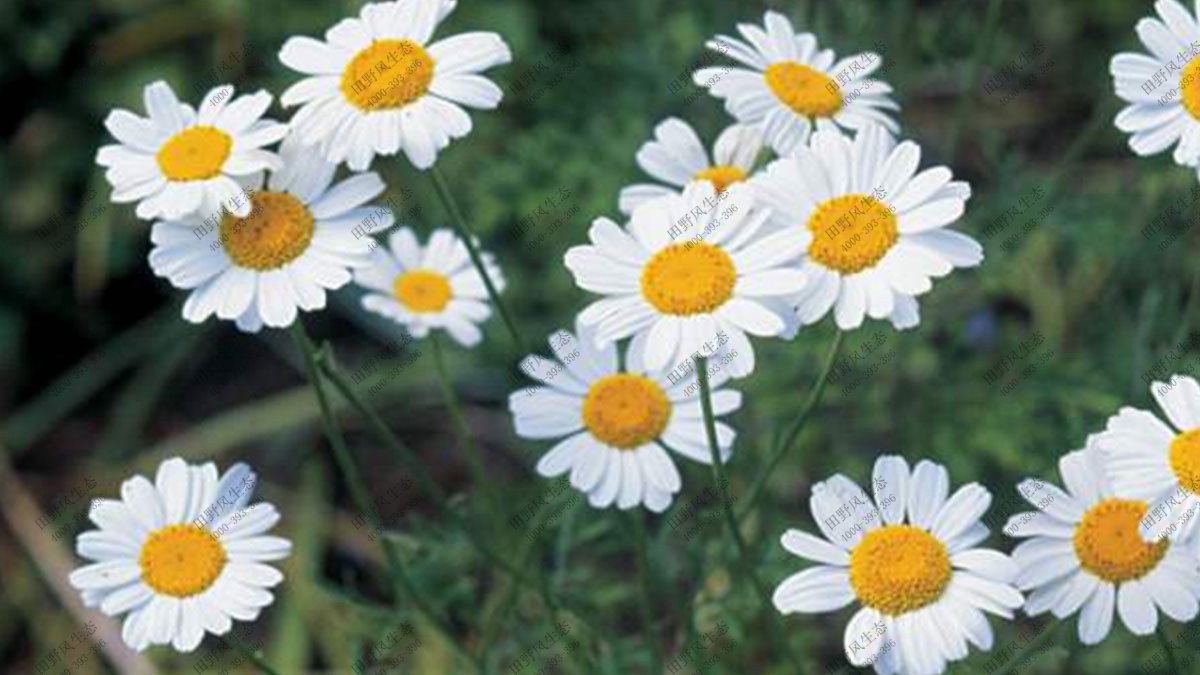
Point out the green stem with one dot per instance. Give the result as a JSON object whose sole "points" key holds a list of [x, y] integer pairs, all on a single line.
{"points": [[967, 101], [639, 536], [402, 585], [785, 441], [1172, 662], [474, 458], [722, 487], [430, 486], [464, 232]]}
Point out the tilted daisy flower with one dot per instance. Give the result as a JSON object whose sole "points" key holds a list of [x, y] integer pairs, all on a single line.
{"points": [[1149, 460], [430, 287], [616, 424], [910, 558], [377, 86], [690, 266], [873, 229], [789, 85], [677, 157], [296, 242], [1084, 554], [183, 556], [179, 161], [1162, 88]]}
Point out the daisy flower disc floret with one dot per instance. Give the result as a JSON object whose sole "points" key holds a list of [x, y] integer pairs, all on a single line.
{"points": [[429, 287], [693, 273], [616, 430], [785, 85], [1162, 87], [1084, 553], [1158, 462], [874, 229], [908, 554], [376, 85], [182, 556], [178, 161], [676, 157]]}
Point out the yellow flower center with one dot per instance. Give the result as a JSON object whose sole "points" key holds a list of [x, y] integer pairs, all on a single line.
{"points": [[1185, 460], [1109, 545], [722, 176], [805, 90], [277, 231], [852, 232], [422, 291], [196, 153], [1189, 94], [626, 411], [691, 278], [181, 560], [897, 569], [387, 74]]}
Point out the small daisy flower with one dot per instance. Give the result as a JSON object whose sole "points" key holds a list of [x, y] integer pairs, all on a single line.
{"points": [[377, 86], [873, 229], [910, 559], [178, 161], [424, 288], [690, 267], [1162, 113], [296, 242], [1157, 463], [1084, 555], [616, 424], [677, 157], [789, 85], [183, 556]]}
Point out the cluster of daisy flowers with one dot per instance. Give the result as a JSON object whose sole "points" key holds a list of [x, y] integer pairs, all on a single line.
{"points": [[257, 235], [840, 221], [250, 217]]}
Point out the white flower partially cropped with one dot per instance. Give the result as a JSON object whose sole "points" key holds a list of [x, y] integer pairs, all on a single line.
{"points": [[617, 425], [377, 86], [179, 161], [910, 559], [677, 157], [430, 287], [789, 85], [1162, 88], [296, 242], [689, 267], [873, 229], [1084, 555], [183, 556], [1149, 460]]}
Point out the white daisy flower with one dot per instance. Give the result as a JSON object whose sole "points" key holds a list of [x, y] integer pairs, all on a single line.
{"points": [[873, 228], [296, 242], [182, 555], [178, 161], [1157, 463], [790, 85], [677, 157], [616, 424], [689, 267], [1162, 88], [910, 558], [430, 287], [377, 86], [1084, 555]]}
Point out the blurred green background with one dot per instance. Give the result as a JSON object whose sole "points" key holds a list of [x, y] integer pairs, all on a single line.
{"points": [[102, 379]]}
